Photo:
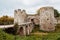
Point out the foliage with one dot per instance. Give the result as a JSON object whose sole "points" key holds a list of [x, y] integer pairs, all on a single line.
{"points": [[56, 13], [5, 20], [9, 30], [58, 38], [5, 36], [12, 30], [15, 28], [57, 28]]}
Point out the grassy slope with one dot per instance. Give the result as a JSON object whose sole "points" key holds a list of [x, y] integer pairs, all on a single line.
{"points": [[36, 36], [6, 36]]}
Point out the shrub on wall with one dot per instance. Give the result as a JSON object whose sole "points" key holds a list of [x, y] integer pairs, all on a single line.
{"points": [[15, 28]]}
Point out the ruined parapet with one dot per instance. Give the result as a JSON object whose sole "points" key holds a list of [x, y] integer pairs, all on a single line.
{"points": [[24, 14], [19, 16], [47, 19]]}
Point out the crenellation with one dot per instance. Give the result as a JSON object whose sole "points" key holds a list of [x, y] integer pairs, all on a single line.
{"points": [[23, 11], [19, 9], [15, 11], [45, 19]]}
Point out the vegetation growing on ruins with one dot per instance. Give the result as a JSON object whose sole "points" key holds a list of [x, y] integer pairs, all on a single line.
{"points": [[15, 28], [56, 13]]}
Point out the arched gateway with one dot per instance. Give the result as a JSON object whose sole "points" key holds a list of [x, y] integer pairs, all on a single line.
{"points": [[25, 29]]}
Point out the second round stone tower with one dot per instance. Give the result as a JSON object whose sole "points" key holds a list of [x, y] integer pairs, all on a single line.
{"points": [[47, 19]]}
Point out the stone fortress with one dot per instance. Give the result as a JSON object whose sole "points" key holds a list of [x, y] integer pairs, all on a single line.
{"points": [[45, 19]]}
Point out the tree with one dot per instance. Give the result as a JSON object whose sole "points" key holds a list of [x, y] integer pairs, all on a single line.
{"points": [[15, 28], [5, 20], [56, 13]]}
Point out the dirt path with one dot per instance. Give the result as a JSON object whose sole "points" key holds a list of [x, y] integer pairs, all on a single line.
{"points": [[39, 33]]}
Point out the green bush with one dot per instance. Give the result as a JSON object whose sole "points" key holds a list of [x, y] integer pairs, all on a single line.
{"points": [[5, 36], [6, 20], [15, 28], [58, 38]]}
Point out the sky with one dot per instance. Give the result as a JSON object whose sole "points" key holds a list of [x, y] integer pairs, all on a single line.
{"points": [[7, 7]]}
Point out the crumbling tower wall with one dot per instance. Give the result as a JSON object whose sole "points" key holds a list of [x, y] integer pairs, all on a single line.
{"points": [[47, 19], [20, 16]]}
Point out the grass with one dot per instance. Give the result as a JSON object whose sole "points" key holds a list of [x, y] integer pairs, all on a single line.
{"points": [[41, 35], [50, 36], [6, 36]]}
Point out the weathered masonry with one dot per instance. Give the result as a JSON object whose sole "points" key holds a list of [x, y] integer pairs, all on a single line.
{"points": [[26, 22], [47, 19]]}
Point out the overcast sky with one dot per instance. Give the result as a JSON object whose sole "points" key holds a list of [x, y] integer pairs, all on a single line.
{"points": [[7, 7]]}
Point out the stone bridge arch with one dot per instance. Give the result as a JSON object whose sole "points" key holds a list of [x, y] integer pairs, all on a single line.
{"points": [[25, 29]]}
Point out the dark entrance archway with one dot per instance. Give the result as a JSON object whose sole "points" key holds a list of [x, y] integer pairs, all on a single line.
{"points": [[21, 31], [32, 20]]}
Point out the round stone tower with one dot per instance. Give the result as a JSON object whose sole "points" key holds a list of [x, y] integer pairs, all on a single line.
{"points": [[47, 19]]}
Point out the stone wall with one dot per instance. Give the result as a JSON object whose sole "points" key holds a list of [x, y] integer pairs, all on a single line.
{"points": [[20, 16], [47, 19], [34, 19]]}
